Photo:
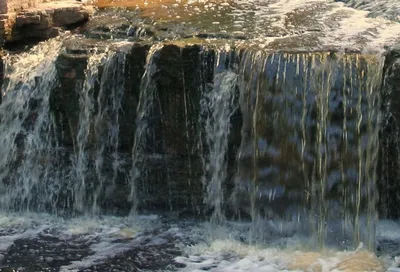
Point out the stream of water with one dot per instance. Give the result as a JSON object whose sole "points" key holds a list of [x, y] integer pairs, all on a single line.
{"points": [[197, 158]]}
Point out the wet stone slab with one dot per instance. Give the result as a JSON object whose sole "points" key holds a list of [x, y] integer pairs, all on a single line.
{"points": [[284, 25]]}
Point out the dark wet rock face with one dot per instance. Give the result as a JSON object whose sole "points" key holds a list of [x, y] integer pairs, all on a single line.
{"points": [[1, 77], [288, 107], [282, 123], [64, 99], [171, 158], [389, 185]]}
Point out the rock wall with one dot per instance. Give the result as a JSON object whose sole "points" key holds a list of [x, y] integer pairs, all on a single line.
{"points": [[389, 160], [172, 155], [7, 6], [170, 160]]}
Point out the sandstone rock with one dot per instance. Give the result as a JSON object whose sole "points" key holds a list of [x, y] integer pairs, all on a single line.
{"points": [[43, 21], [65, 17], [26, 19], [306, 261], [360, 262]]}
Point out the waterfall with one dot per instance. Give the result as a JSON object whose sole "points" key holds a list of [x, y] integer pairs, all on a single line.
{"points": [[310, 138], [143, 130], [86, 106], [218, 105], [28, 172], [100, 106], [306, 148], [35, 173]]}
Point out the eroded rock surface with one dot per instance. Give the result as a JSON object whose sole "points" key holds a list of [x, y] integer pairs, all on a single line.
{"points": [[42, 21]]}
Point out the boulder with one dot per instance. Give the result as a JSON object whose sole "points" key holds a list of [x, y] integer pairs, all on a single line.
{"points": [[43, 21]]}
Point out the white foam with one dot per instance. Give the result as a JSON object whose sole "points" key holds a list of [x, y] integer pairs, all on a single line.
{"points": [[228, 255], [222, 252], [386, 8], [353, 28], [215, 248]]}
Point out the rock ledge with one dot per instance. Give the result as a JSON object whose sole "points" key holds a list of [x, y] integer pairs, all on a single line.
{"points": [[42, 21]]}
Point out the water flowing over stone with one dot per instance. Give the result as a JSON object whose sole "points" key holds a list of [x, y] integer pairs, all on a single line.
{"points": [[307, 149], [143, 132], [39, 171], [389, 139], [218, 106], [98, 129], [310, 139], [28, 173], [203, 136]]}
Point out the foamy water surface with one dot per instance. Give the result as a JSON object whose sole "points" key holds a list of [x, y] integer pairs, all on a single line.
{"points": [[189, 245]]}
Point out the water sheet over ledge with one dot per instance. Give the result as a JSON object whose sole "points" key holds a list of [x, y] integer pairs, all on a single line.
{"points": [[128, 124]]}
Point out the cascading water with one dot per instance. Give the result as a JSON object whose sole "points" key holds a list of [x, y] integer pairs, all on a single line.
{"points": [[218, 105], [384, 8], [86, 105], [28, 173], [292, 137], [35, 172], [100, 107], [143, 130], [310, 138]]}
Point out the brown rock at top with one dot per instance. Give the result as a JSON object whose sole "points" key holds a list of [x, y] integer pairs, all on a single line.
{"points": [[43, 20]]}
